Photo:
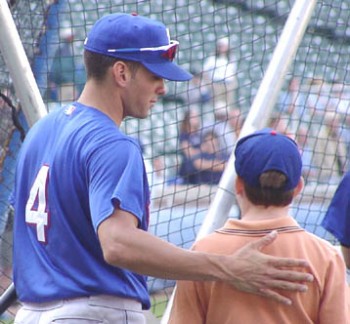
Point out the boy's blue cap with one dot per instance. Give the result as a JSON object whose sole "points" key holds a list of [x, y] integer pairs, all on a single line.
{"points": [[139, 39], [267, 150]]}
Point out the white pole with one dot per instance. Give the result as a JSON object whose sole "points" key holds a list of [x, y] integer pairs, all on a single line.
{"points": [[17, 62], [258, 115]]}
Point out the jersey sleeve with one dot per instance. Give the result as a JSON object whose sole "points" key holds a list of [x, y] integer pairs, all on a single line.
{"points": [[117, 176], [337, 218]]}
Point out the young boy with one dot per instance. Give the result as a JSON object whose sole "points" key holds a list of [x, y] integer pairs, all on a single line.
{"points": [[268, 167]]}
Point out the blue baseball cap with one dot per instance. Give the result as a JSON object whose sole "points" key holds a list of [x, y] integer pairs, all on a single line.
{"points": [[136, 38], [267, 150]]}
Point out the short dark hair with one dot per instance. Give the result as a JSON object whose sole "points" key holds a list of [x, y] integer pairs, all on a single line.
{"points": [[96, 65], [270, 192]]}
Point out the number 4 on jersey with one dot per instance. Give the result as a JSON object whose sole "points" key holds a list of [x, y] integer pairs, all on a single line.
{"points": [[36, 208]]}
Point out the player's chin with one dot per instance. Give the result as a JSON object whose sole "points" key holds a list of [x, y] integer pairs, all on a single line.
{"points": [[147, 111], [143, 114]]}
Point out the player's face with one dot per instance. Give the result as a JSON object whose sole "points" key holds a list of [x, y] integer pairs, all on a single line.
{"points": [[143, 92]]}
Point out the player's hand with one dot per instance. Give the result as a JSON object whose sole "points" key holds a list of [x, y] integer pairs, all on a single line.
{"points": [[259, 273]]}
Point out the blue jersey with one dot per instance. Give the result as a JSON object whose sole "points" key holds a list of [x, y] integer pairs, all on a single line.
{"points": [[74, 167], [337, 218]]}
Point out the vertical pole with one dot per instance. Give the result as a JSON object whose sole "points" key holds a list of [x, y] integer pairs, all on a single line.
{"points": [[17, 62]]}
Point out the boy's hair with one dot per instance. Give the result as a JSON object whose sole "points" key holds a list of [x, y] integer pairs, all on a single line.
{"points": [[96, 65], [270, 192]]}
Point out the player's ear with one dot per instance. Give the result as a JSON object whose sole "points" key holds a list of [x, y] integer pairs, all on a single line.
{"points": [[121, 73]]}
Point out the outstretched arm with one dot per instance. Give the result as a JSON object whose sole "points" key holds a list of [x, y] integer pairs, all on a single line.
{"points": [[126, 246]]}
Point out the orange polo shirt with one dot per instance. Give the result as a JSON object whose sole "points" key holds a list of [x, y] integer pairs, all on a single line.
{"points": [[325, 302]]}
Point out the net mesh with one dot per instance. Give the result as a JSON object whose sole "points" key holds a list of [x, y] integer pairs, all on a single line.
{"points": [[312, 106]]}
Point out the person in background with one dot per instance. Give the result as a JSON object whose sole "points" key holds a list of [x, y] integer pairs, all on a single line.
{"points": [[197, 92], [6, 129], [221, 71], [318, 99], [190, 138], [67, 75], [330, 154], [222, 127], [344, 133], [280, 122], [291, 103], [209, 164], [309, 171], [337, 217], [268, 166], [236, 121], [82, 200], [290, 100]]}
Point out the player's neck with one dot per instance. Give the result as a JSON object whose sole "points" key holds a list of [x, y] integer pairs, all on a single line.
{"points": [[102, 98]]}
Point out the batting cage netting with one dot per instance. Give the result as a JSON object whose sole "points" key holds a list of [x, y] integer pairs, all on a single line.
{"points": [[311, 106]]}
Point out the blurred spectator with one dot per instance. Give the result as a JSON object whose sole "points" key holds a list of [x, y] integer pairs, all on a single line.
{"points": [[189, 141], [6, 126], [6, 249], [6, 215], [66, 76], [341, 98], [236, 120], [222, 127], [221, 71], [209, 164], [308, 172], [292, 103], [345, 135], [290, 99], [155, 168], [198, 92], [280, 122], [318, 97], [330, 153]]}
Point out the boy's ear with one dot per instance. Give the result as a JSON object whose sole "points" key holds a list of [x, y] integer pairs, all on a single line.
{"points": [[299, 187], [239, 186]]}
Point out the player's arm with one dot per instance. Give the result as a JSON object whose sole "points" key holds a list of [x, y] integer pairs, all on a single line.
{"points": [[126, 246]]}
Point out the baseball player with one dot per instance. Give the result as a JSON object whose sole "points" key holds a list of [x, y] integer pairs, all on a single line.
{"points": [[81, 246]]}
